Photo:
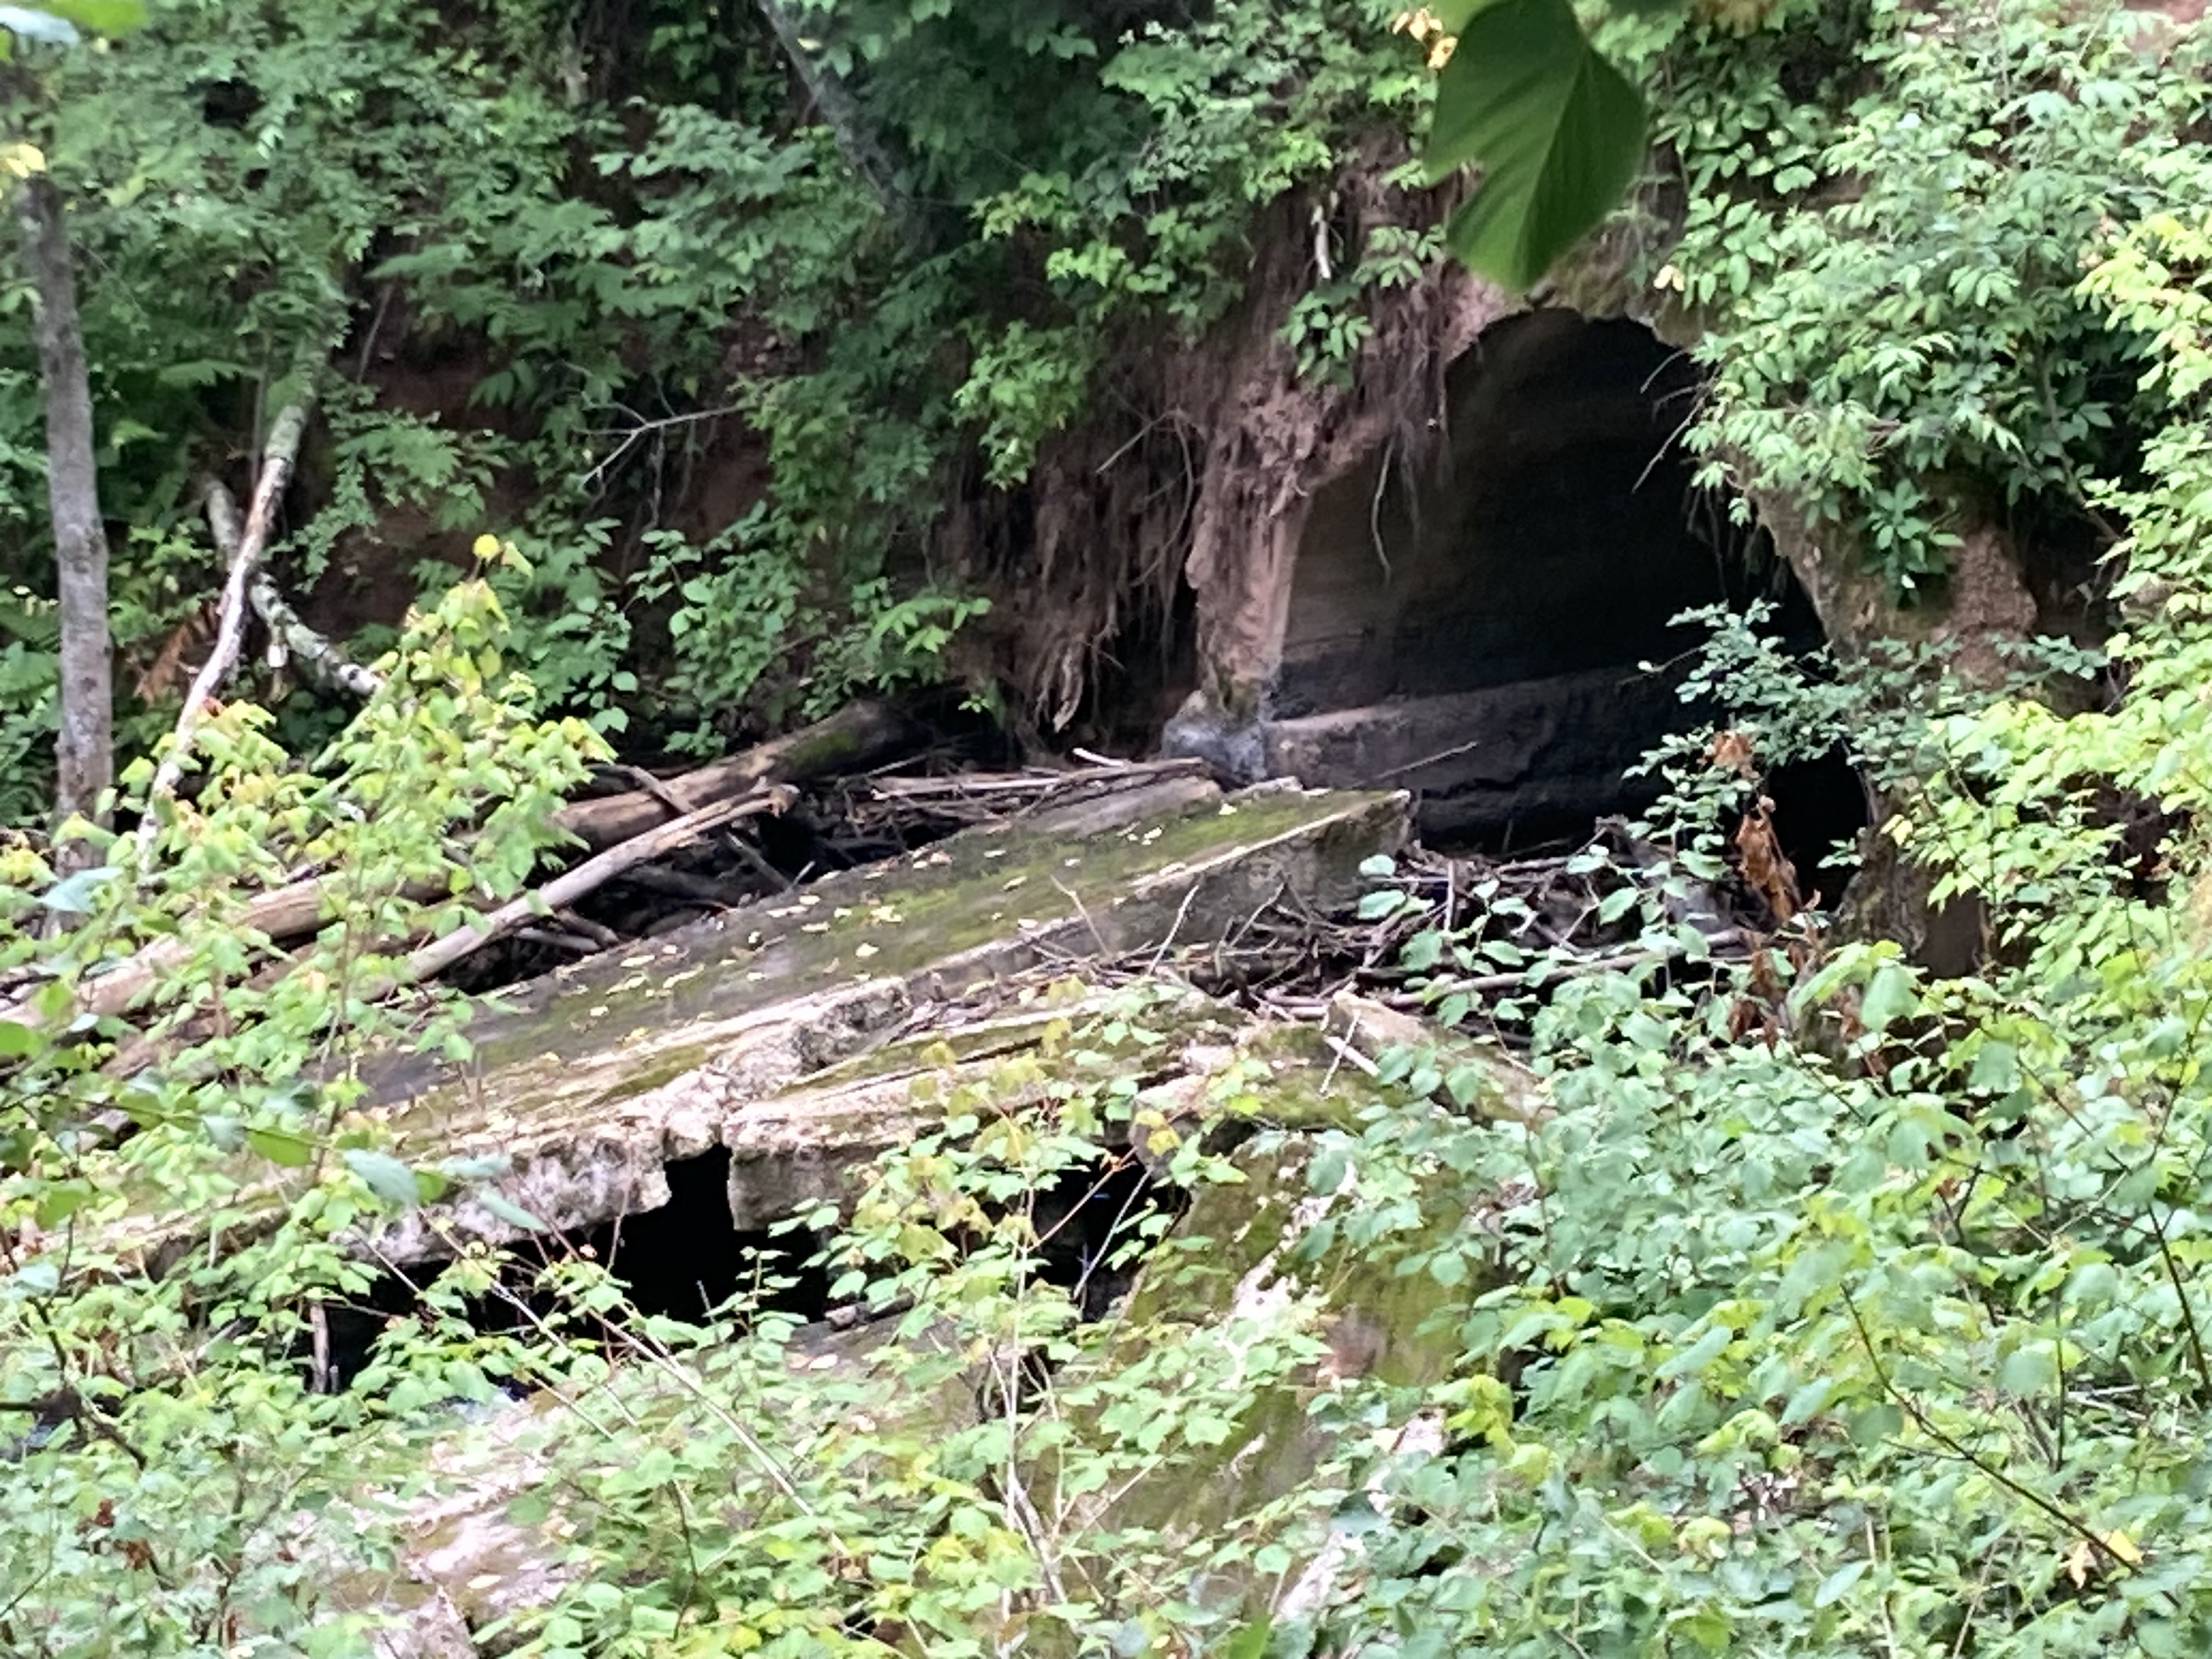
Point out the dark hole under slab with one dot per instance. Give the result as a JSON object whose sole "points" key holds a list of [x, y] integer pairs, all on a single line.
{"points": [[686, 1260]]}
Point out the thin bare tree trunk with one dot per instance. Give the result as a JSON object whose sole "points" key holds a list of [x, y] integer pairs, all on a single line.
{"points": [[278, 457], [85, 751], [857, 139]]}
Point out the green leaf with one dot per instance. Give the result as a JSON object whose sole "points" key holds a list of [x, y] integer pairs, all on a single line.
{"points": [[1317, 1242], [1469, 1085], [280, 1146], [1250, 1642], [1888, 996], [512, 1213], [385, 1175], [1837, 1583], [1996, 1068], [1807, 1400], [74, 896], [2028, 1371], [38, 1278], [1556, 131], [1698, 1355], [100, 16], [61, 1201], [1326, 1173], [1383, 903], [16, 1040]]}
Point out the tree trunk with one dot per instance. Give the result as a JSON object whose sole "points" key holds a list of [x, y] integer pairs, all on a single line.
{"points": [[85, 751], [859, 140]]}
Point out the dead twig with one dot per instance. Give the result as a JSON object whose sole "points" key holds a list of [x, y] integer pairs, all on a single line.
{"points": [[321, 659]]}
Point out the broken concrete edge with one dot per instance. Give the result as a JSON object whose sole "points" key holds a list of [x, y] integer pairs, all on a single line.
{"points": [[713, 1100], [587, 1133], [983, 894]]}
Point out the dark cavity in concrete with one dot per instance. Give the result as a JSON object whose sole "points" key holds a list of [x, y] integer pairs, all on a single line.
{"points": [[687, 1260], [1472, 626], [1089, 1226]]}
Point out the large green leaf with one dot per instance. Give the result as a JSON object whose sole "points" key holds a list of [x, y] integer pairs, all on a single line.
{"points": [[99, 16], [1556, 131]]}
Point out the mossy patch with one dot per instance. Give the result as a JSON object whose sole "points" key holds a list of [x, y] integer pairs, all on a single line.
{"points": [[619, 1025]]}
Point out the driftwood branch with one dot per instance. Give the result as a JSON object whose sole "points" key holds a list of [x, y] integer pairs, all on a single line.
{"points": [[514, 917], [855, 737], [322, 662], [278, 457]]}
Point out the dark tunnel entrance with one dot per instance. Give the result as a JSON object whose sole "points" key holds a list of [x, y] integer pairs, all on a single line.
{"points": [[1475, 625]]}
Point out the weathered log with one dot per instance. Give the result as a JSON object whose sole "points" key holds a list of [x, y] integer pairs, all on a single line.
{"points": [[514, 917], [854, 737], [592, 873]]}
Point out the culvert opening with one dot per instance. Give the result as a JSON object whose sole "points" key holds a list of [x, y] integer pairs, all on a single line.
{"points": [[1475, 625], [687, 1259], [1092, 1230]]}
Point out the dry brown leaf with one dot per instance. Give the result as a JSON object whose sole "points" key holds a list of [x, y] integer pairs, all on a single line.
{"points": [[1765, 867], [1731, 752]]}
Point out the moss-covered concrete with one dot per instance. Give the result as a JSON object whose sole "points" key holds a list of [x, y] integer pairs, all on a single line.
{"points": [[592, 1080], [1207, 1066]]}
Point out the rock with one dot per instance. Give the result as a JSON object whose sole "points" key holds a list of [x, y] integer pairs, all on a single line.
{"points": [[1234, 746], [1524, 760], [1508, 1092]]}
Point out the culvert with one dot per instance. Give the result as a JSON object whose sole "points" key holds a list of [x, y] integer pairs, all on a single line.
{"points": [[1475, 625]]}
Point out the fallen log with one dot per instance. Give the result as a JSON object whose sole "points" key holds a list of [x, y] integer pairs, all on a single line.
{"points": [[856, 736], [592, 873], [430, 959]]}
